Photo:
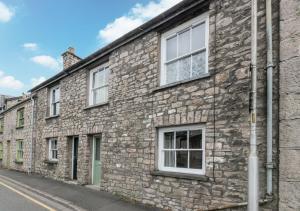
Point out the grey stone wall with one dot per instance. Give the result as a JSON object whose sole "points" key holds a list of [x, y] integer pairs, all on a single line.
{"points": [[11, 134], [136, 107], [289, 179]]}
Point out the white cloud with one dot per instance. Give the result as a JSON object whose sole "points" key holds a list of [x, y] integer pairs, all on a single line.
{"points": [[46, 61], [30, 46], [136, 17], [6, 13], [37, 81], [7, 81]]}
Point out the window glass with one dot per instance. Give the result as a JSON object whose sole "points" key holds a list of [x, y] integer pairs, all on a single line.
{"points": [[169, 140], [181, 140], [199, 63], [182, 159], [170, 158], [196, 159], [171, 48], [184, 68], [171, 72], [198, 37], [195, 139], [184, 43]]}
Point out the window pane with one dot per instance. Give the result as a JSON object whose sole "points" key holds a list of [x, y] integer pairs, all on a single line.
{"points": [[184, 43], [182, 159], [198, 63], [97, 149], [169, 158], [171, 48], [171, 74], [196, 159], [181, 139], [184, 68], [57, 108], [100, 95], [198, 37], [195, 139], [56, 95], [168, 140]]}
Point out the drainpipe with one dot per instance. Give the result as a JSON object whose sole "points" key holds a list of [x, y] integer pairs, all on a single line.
{"points": [[253, 159], [269, 164], [32, 131]]}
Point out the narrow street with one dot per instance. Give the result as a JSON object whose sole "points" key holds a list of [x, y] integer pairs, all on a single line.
{"points": [[11, 200], [23, 192]]}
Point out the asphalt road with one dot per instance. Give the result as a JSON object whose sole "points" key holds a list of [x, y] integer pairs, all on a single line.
{"points": [[12, 201]]}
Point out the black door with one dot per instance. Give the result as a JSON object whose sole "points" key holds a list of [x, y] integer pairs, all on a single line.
{"points": [[75, 156]]}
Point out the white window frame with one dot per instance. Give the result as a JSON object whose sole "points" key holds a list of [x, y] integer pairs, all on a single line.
{"points": [[51, 101], [161, 150], [50, 149], [91, 89], [20, 150], [204, 18]]}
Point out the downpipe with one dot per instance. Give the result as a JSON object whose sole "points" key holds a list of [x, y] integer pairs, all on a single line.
{"points": [[269, 164], [253, 179], [32, 131]]}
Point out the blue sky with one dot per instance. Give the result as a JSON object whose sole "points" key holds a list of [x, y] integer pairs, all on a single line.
{"points": [[34, 33]]}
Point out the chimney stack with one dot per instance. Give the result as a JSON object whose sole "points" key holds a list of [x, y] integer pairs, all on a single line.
{"points": [[69, 58]]}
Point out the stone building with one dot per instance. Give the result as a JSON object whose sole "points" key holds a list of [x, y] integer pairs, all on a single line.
{"points": [[161, 115], [16, 134]]}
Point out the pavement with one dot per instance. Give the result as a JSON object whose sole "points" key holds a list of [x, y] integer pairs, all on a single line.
{"points": [[20, 191]]}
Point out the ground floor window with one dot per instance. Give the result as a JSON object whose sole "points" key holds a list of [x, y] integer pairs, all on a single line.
{"points": [[182, 149], [20, 152], [53, 149], [1, 150]]}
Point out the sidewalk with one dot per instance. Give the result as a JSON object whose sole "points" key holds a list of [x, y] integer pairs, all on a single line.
{"points": [[79, 196]]}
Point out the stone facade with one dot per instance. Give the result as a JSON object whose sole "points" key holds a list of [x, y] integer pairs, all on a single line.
{"points": [[11, 134], [289, 146], [137, 106]]}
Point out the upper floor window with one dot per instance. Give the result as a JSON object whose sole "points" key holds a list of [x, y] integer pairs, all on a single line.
{"points": [[20, 152], [98, 91], [182, 149], [20, 118], [54, 100], [53, 150], [1, 125], [185, 51]]}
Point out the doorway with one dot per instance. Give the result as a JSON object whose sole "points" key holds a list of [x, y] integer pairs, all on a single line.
{"points": [[75, 142], [96, 161]]}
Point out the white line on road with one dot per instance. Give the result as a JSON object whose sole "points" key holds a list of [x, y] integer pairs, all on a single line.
{"points": [[28, 197]]}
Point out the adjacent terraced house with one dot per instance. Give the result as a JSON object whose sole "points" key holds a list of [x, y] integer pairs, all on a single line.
{"points": [[161, 115]]}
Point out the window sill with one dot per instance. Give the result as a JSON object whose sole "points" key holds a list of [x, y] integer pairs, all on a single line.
{"points": [[18, 161], [20, 127], [51, 117], [180, 175], [167, 86], [51, 161], [95, 106]]}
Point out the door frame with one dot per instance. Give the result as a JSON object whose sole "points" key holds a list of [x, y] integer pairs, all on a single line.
{"points": [[8, 153], [93, 154], [73, 144]]}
